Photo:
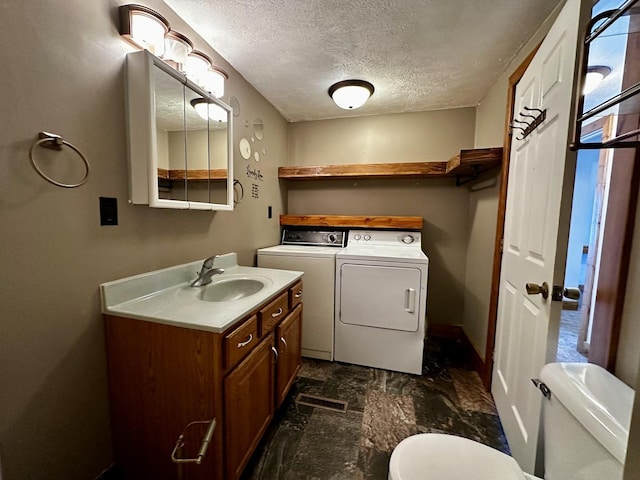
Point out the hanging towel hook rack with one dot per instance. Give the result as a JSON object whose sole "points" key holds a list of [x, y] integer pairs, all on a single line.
{"points": [[515, 127], [531, 126], [528, 109], [56, 142]]}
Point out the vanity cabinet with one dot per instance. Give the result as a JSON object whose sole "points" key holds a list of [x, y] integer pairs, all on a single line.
{"points": [[288, 336], [258, 385], [164, 377], [248, 400]]}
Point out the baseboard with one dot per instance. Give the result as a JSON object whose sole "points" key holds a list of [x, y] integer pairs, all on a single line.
{"points": [[456, 332]]}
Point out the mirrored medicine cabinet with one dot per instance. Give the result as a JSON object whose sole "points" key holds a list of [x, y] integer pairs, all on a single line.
{"points": [[179, 139]]}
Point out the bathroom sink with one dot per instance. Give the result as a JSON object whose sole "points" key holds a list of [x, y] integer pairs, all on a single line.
{"points": [[226, 290]]}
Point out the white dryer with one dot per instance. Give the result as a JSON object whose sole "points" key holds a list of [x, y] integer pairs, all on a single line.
{"points": [[314, 253], [380, 306]]}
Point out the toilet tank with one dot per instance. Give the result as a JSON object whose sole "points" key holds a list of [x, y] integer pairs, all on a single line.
{"points": [[586, 422]]}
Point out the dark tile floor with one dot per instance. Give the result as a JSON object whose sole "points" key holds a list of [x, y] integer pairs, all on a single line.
{"points": [[310, 443]]}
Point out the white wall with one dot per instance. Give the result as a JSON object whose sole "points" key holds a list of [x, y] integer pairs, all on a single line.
{"points": [[64, 66]]}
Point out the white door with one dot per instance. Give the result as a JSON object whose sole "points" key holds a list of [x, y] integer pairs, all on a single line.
{"points": [[531, 239], [380, 296]]}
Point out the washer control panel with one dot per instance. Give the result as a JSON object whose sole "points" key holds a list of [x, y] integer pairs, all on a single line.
{"points": [[333, 238]]}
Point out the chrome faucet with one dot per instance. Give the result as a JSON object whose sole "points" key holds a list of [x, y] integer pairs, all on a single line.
{"points": [[206, 272]]}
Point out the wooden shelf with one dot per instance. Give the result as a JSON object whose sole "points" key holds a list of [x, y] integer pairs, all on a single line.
{"points": [[203, 175], [352, 221], [468, 163]]}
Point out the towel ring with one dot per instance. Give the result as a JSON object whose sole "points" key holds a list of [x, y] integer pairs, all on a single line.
{"points": [[239, 191], [58, 142]]}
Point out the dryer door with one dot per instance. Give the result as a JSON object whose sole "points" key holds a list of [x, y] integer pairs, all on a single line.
{"points": [[380, 296]]}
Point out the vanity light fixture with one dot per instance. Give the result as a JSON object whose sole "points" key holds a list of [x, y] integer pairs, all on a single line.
{"points": [[208, 110], [214, 81], [351, 94], [147, 29], [177, 47], [197, 66], [143, 27], [595, 75]]}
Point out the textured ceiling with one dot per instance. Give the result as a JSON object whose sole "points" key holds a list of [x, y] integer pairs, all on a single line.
{"points": [[420, 55]]}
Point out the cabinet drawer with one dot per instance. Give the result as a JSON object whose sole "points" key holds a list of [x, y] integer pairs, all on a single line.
{"points": [[240, 342], [274, 312], [295, 295]]}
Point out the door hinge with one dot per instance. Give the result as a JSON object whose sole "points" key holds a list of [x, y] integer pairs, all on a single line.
{"points": [[501, 245]]}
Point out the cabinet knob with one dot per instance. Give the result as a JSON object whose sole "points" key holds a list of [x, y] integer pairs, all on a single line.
{"points": [[275, 352], [284, 342], [298, 294], [277, 313]]}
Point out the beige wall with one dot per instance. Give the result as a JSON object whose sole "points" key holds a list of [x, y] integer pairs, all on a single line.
{"points": [[406, 137], [483, 204], [64, 72], [414, 137]]}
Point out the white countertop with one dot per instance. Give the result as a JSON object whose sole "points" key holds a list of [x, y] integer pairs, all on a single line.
{"points": [[164, 296]]}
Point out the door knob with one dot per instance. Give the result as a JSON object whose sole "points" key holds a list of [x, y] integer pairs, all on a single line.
{"points": [[571, 293], [535, 289]]}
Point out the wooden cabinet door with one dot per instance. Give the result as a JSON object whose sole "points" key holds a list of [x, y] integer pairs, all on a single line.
{"points": [[289, 340], [248, 401], [161, 379]]}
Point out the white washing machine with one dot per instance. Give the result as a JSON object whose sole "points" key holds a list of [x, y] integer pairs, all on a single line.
{"points": [[314, 253], [381, 294]]}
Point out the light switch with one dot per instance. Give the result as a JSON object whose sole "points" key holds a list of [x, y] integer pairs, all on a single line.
{"points": [[108, 211]]}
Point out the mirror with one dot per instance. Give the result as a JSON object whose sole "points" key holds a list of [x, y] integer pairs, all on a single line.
{"points": [[179, 139]]}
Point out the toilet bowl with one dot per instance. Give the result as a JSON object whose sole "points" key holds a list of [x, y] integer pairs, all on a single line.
{"points": [[586, 428], [450, 458]]}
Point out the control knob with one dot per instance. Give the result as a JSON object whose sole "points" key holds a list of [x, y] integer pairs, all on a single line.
{"points": [[332, 238], [357, 236], [408, 239], [367, 237]]}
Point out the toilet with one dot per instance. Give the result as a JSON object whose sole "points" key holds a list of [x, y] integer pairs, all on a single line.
{"points": [[586, 427]]}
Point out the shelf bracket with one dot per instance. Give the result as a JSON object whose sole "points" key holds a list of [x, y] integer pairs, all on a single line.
{"points": [[462, 179]]}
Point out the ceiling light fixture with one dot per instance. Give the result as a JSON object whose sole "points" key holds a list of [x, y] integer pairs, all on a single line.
{"points": [[143, 27], [595, 75], [351, 94], [209, 110]]}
